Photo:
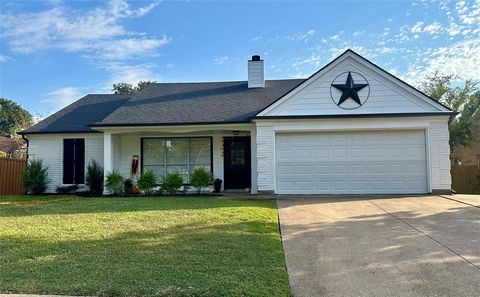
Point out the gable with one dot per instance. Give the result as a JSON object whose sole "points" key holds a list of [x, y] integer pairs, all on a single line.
{"points": [[329, 92]]}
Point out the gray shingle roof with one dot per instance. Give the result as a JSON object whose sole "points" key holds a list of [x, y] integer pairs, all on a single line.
{"points": [[189, 103], [77, 116], [167, 104]]}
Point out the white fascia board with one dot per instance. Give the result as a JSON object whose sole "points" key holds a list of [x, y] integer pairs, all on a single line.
{"points": [[175, 128], [350, 124]]}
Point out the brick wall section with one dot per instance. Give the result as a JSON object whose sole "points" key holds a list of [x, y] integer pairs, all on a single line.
{"points": [[440, 155], [266, 158], [49, 148]]}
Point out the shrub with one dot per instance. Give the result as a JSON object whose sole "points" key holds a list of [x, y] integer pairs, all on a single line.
{"points": [[67, 189], [114, 182], [35, 178], [200, 178], [147, 181], [172, 182], [127, 186], [94, 178]]}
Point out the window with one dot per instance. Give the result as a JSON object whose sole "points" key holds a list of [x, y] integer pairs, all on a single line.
{"points": [[182, 155], [74, 161]]}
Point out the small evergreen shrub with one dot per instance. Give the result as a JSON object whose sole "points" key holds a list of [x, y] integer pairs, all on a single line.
{"points": [[67, 189], [172, 182], [94, 178], [200, 178], [114, 182], [147, 182], [35, 178], [127, 186]]}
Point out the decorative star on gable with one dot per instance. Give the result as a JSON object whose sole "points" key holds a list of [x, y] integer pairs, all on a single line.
{"points": [[350, 90]]}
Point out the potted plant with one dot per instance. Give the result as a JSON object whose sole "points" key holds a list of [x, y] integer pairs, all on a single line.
{"points": [[217, 185]]}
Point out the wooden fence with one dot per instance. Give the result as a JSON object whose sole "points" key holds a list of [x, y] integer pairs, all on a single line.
{"points": [[466, 179], [10, 176]]}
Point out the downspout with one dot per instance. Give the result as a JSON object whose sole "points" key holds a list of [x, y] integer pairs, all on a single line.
{"points": [[26, 159], [28, 144]]}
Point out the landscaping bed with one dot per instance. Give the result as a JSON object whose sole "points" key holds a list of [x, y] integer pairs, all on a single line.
{"points": [[142, 246]]}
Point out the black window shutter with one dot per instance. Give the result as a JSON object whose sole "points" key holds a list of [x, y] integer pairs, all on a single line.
{"points": [[74, 161], [79, 177], [68, 160]]}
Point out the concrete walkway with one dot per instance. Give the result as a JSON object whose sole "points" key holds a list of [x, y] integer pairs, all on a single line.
{"points": [[381, 246]]}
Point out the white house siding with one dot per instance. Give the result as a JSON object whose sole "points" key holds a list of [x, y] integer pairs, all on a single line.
{"points": [[127, 147], [437, 143], [385, 94], [49, 148]]}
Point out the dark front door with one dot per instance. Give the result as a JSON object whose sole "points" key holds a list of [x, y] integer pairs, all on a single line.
{"points": [[236, 162]]}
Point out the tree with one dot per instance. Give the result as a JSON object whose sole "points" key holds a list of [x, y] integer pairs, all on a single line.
{"points": [[13, 117], [463, 99], [126, 88]]}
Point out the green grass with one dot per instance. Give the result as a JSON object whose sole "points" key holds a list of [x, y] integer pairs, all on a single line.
{"points": [[199, 246]]}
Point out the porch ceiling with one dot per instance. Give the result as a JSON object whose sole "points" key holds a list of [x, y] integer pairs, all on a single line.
{"points": [[186, 130]]}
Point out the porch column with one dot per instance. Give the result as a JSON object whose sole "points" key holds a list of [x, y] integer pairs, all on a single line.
{"points": [[253, 152], [107, 158]]}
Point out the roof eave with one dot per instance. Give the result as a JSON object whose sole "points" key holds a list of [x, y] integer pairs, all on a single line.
{"points": [[56, 132], [368, 115], [100, 125]]}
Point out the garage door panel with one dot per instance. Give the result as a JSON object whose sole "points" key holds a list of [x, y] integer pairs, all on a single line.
{"points": [[351, 162]]}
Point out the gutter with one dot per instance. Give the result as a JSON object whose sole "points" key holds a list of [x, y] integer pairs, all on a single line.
{"points": [[27, 142]]}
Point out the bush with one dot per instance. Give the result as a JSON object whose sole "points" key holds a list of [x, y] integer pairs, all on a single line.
{"points": [[35, 178], [127, 186], [114, 182], [147, 181], [67, 189], [172, 182], [200, 178], [94, 178]]}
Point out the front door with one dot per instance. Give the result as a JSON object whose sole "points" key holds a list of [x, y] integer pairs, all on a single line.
{"points": [[236, 162]]}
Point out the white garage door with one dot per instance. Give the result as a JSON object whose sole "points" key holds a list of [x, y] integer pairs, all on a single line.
{"points": [[351, 162]]}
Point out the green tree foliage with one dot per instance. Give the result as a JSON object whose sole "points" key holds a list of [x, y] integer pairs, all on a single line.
{"points": [[126, 88], [35, 178], [200, 178], [13, 117], [147, 182], [172, 182], [461, 98], [114, 182], [94, 178]]}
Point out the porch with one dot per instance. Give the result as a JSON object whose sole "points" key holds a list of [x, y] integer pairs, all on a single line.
{"points": [[228, 151]]}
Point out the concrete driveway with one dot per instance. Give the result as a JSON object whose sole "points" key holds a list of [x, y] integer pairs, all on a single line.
{"points": [[382, 246]]}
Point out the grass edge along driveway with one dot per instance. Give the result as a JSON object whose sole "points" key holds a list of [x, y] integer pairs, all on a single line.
{"points": [[200, 246]]}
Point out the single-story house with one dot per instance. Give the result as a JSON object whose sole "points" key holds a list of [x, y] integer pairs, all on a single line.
{"points": [[349, 128]]}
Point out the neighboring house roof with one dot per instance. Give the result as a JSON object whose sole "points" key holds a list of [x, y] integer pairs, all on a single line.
{"points": [[9, 144], [197, 103], [77, 116]]}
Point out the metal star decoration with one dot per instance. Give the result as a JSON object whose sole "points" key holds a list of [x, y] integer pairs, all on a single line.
{"points": [[349, 90]]}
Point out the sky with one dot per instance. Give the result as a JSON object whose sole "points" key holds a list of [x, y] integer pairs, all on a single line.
{"points": [[54, 52]]}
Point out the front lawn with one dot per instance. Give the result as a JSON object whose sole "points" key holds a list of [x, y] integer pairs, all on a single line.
{"points": [[140, 247]]}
